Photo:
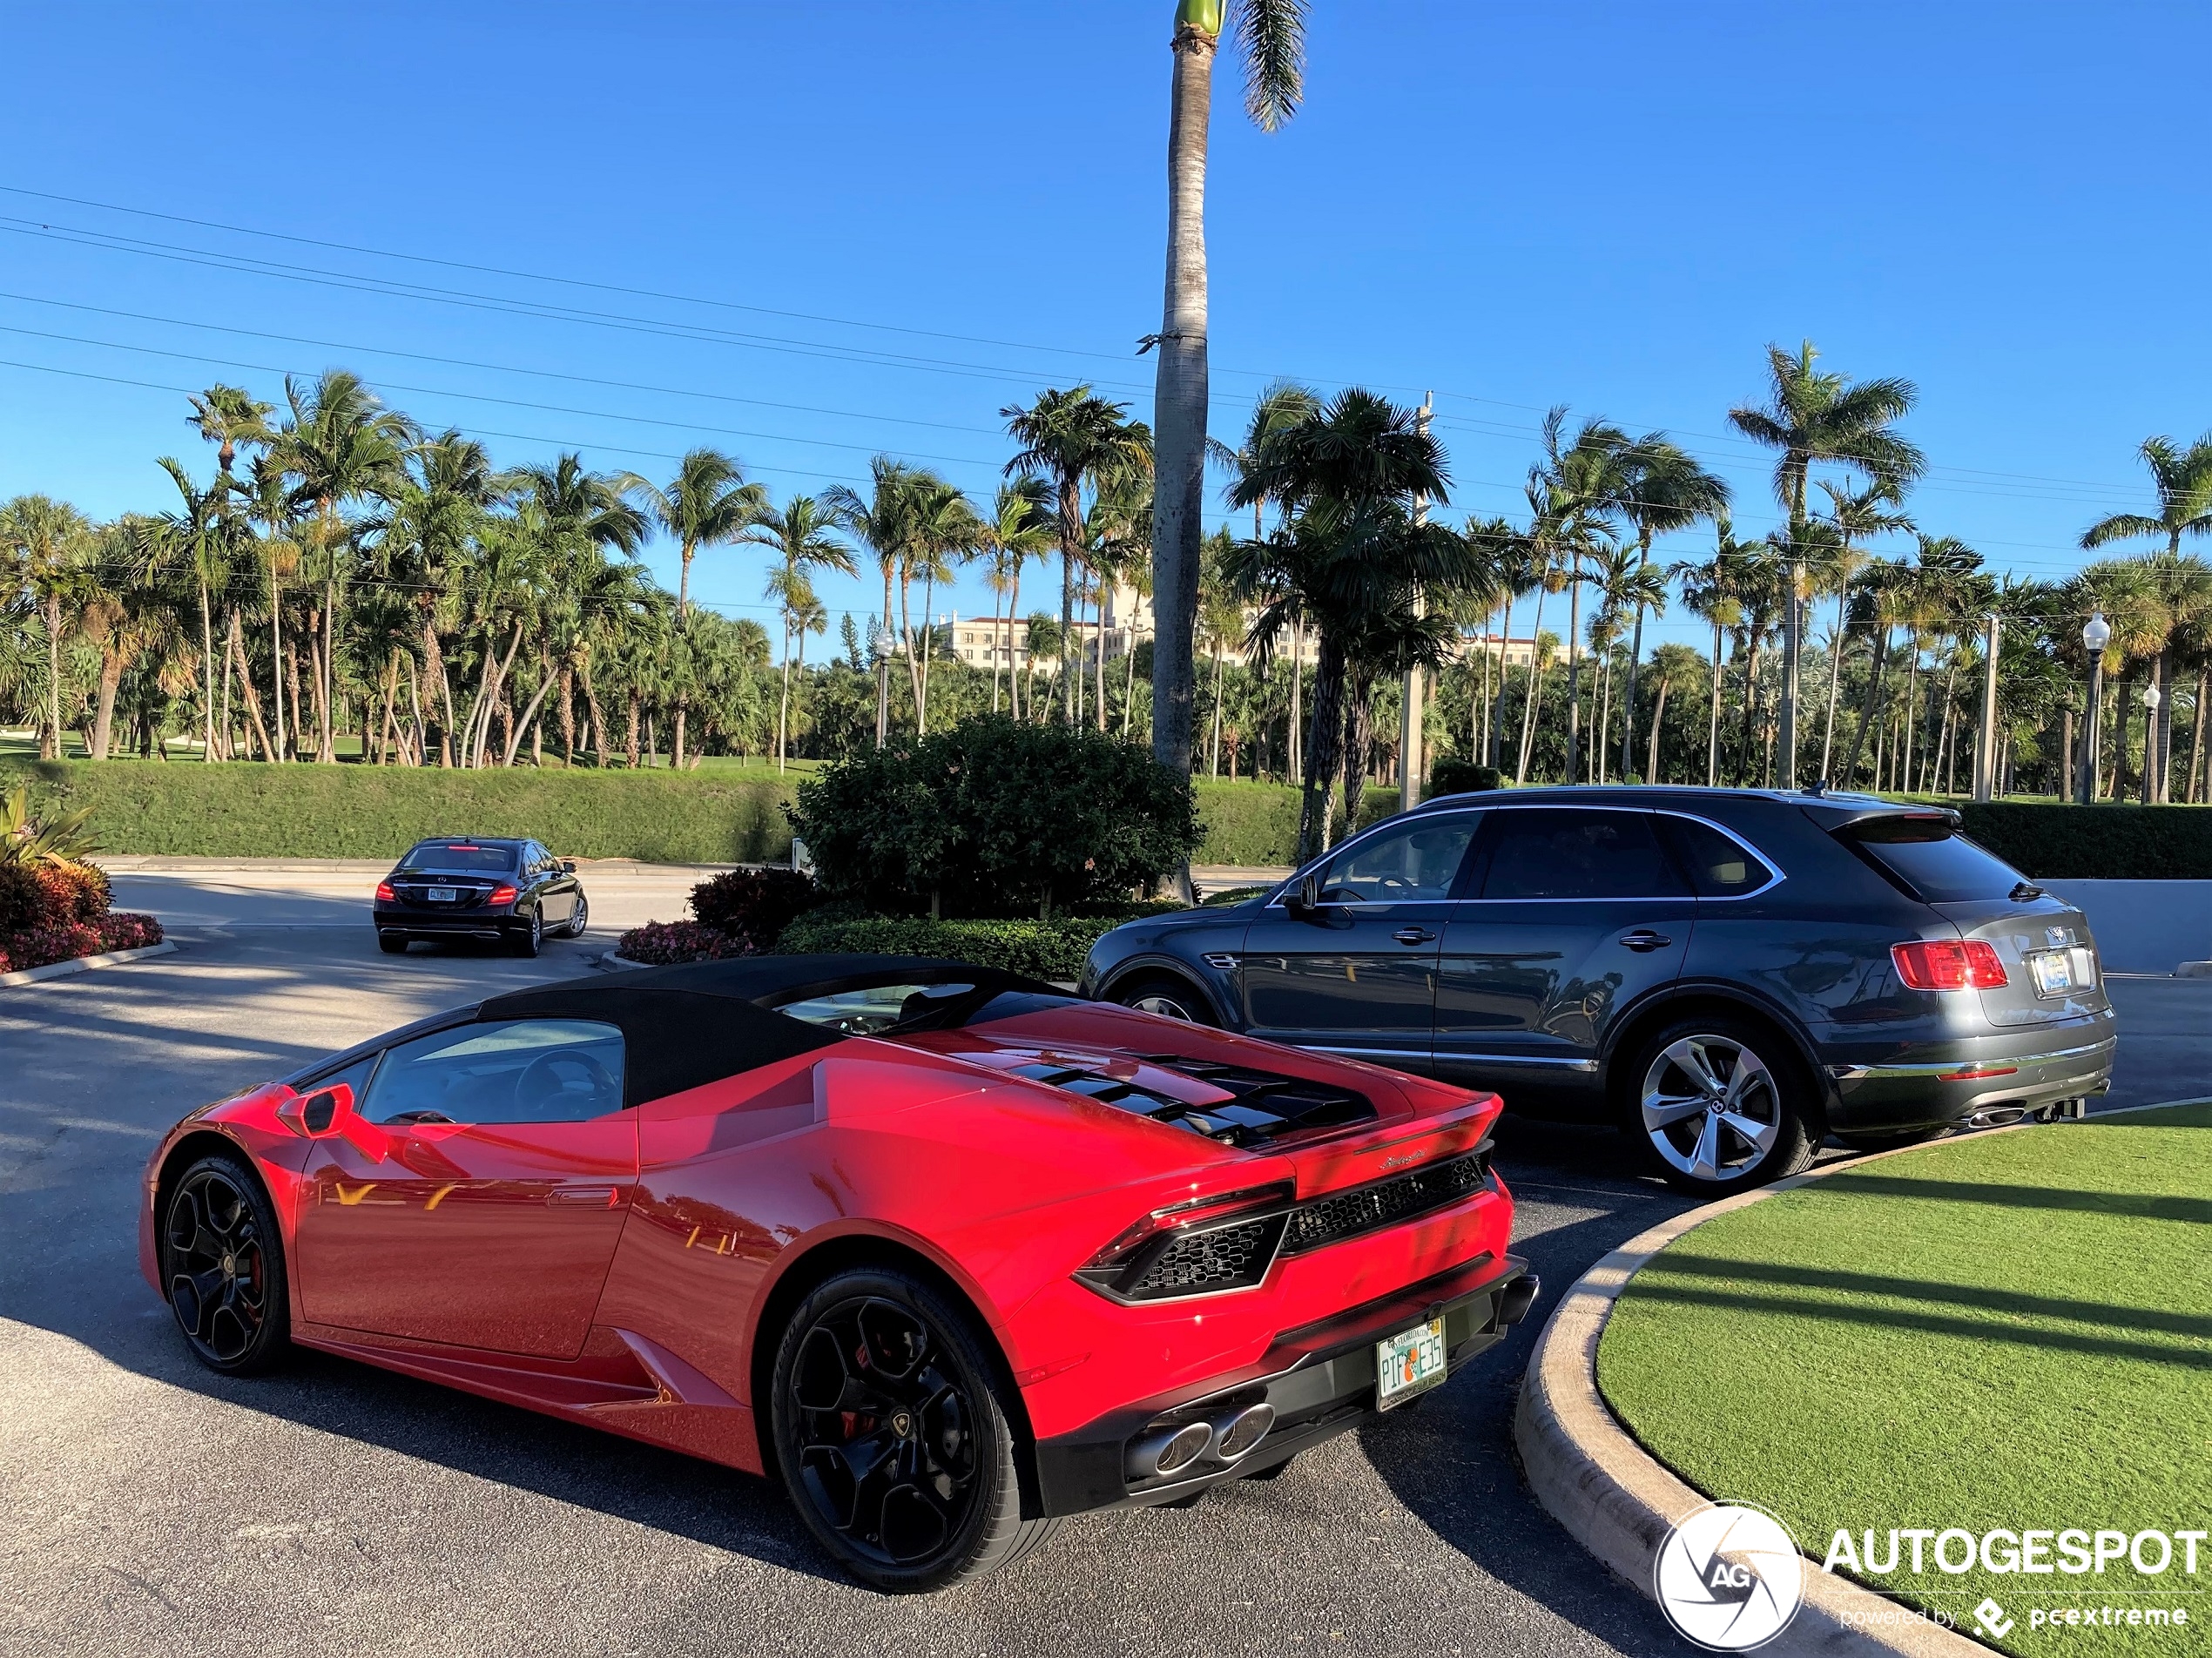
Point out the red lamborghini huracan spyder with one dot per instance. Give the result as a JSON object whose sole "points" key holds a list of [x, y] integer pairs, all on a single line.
{"points": [[951, 1253]]}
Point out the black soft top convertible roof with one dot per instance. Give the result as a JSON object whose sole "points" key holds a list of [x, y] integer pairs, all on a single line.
{"points": [[687, 1026]]}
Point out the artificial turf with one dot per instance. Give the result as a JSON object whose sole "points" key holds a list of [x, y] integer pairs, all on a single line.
{"points": [[1998, 1330]]}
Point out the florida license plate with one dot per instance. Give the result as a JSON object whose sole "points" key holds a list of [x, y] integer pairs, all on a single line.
{"points": [[442, 895], [1409, 1362], [2053, 971]]}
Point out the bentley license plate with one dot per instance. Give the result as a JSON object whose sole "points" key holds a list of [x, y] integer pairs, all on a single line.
{"points": [[1409, 1362], [2053, 971], [443, 894]]}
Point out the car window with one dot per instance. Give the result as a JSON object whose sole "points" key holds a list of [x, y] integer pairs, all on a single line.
{"points": [[458, 854], [1928, 854], [864, 1012], [1719, 866], [1416, 862], [1579, 854], [516, 1070]]}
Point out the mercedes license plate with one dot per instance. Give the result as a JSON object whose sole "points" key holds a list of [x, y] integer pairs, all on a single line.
{"points": [[443, 894], [2053, 971], [1409, 1362]]}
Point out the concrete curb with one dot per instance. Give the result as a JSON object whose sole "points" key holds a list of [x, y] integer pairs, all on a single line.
{"points": [[85, 964], [615, 960], [1619, 1502]]}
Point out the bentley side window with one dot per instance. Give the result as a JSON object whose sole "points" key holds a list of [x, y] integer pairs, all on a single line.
{"points": [[1571, 854], [1415, 863], [516, 1070]]}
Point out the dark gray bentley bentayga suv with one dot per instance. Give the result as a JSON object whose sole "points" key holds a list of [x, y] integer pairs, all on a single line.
{"points": [[1730, 974]]}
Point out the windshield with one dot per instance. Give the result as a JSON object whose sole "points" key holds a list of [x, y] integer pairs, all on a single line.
{"points": [[458, 854], [1927, 853]]}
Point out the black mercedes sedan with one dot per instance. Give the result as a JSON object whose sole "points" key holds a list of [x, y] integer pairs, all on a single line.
{"points": [[500, 891], [1731, 975]]}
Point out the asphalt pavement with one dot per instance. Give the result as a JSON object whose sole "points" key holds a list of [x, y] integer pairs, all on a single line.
{"points": [[147, 1505]]}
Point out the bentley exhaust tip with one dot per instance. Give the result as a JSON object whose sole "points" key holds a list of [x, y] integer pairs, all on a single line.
{"points": [[1238, 1435]]}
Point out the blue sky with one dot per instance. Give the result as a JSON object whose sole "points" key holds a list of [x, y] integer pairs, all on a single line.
{"points": [[1610, 207]]}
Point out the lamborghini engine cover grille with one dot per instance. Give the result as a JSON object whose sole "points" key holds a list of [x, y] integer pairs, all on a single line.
{"points": [[1261, 1107], [1328, 1220]]}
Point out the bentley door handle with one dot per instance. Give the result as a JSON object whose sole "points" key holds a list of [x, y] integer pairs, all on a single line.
{"points": [[1413, 936], [1644, 938]]}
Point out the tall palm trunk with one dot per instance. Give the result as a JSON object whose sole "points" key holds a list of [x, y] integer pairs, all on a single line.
{"points": [[1573, 692], [883, 659], [1658, 718], [1713, 730], [1497, 722], [1867, 713], [1749, 732], [251, 694], [1179, 413], [1635, 656], [1297, 732], [1359, 722], [783, 708], [1325, 730], [1535, 675], [1213, 765], [1013, 613], [111, 663], [206, 674], [1835, 682], [276, 668]]}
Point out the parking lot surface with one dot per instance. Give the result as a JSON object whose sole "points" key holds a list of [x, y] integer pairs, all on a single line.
{"points": [[151, 1506]]}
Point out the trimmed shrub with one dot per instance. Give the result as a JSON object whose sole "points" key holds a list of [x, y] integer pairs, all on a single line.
{"points": [[255, 811], [2055, 841], [1053, 950], [753, 903], [995, 816], [1256, 823], [1454, 776], [665, 943]]}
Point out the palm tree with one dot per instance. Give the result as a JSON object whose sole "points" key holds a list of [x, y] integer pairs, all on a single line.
{"points": [[1811, 418], [1629, 586], [707, 503], [799, 536], [1272, 34], [1571, 491], [435, 514], [584, 516], [1672, 665], [1714, 591], [268, 499], [228, 417], [1853, 515], [342, 444], [45, 543], [1666, 490], [1020, 529], [204, 536], [2183, 480], [945, 530], [1281, 404], [884, 523], [1352, 557], [1073, 438]]}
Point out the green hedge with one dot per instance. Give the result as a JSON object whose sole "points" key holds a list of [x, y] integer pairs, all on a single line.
{"points": [[1256, 823], [1053, 950], [186, 807], [2052, 841]]}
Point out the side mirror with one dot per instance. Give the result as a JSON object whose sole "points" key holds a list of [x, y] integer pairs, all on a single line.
{"points": [[1304, 898], [319, 1113], [568, 865]]}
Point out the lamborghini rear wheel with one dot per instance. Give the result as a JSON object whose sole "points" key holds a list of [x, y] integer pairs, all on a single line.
{"points": [[894, 1434], [222, 1264]]}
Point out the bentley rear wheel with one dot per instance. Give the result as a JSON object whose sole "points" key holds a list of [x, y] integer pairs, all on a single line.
{"points": [[222, 1260], [1720, 1106], [1165, 995], [894, 1435]]}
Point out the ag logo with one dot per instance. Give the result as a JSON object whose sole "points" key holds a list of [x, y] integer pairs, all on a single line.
{"points": [[1728, 1578]]}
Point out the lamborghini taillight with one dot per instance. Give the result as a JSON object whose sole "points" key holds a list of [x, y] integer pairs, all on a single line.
{"points": [[1199, 1248]]}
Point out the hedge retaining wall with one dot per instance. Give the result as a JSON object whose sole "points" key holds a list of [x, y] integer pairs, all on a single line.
{"points": [[2052, 840]]}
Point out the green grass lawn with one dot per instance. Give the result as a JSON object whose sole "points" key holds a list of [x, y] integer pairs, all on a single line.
{"points": [[2010, 1330]]}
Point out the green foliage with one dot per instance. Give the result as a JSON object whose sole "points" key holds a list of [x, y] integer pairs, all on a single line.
{"points": [[2057, 842], [753, 905], [1053, 950], [379, 812], [27, 837], [995, 816], [1256, 823], [1453, 776]]}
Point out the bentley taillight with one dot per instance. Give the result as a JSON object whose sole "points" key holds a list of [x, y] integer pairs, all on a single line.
{"points": [[1948, 964]]}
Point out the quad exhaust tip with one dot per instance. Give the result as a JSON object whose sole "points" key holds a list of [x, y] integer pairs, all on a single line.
{"points": [[1230, 1435], [1517, 1298]]}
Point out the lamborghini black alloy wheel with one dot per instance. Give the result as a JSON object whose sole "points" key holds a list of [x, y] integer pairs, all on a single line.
{"points": [[892, 1437], [221, 1260]]}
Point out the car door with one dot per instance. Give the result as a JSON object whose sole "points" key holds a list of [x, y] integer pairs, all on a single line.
{"points": [[475, 1192], [554, 898], [1571, 915], [1357, 975]]}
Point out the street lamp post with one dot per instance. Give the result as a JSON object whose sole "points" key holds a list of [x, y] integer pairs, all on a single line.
{"points": [[1985, 753], [2096, 634], [2151, 699]]}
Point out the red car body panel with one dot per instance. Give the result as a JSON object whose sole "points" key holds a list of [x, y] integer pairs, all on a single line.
{"points": [[617, 1272]]}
